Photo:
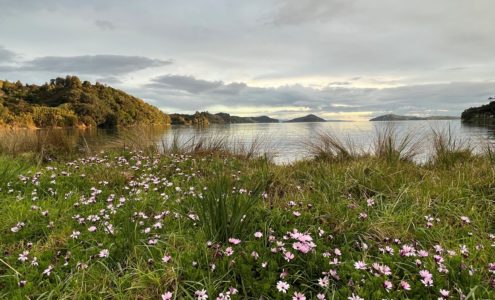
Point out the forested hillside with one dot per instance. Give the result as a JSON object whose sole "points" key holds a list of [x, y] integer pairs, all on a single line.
{"points": [[65, 102], [206, 118], [481, 114]]}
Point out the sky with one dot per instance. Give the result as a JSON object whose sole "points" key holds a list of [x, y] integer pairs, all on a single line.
{"points": [[339, 59]]}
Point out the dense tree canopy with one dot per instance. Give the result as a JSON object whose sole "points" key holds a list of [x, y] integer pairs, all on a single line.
{"points": [[70, 102], [205, 118], [481, 114]]}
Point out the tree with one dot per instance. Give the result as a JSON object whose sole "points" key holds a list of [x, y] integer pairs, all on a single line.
{"points": [[59, 82], [73, 82], [68, 102]]}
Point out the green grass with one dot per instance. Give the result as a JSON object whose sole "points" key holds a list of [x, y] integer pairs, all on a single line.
{"points": [[322, 198]]}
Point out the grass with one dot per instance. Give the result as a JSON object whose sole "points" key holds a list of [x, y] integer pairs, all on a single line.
{"points": [[184, 221], [393, 147], [224, 212], [449, 149], [327, 146]]}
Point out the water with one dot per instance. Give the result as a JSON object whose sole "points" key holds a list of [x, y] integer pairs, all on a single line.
{"points": [[286, 142]]}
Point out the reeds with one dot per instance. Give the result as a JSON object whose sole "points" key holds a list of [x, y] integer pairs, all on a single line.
{"points": [[327, 146], [59, 143], [449, 149], [391, 146], [215, 144], [438, 146], [387, 144], [488, 150], [43, 145]]}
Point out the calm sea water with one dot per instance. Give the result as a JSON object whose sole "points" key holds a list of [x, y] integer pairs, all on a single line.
{"points": [[287, 142]]}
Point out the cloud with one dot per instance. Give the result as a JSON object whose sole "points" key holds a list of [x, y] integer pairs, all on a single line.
{"points": [[6, 56], [105, 25], [294, 12], [88, 64], [188, 94], [26, 5], [234, 88], [184, 83], [339, 83], [110, 80]]}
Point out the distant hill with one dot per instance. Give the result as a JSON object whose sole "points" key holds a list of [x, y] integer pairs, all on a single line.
{"points": [[481, 114], [308, 118], [66, 102], [235, 119], [205, 118], [265, 119], [393, 117]]}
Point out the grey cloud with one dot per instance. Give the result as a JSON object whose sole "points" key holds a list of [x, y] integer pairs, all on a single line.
{"points": [[368, 38], [184, 83], [89, 64], [6, 56], [110, 80], [26, 5], [448, 98], [293, 12], [234, 88], [340, 83], [23, 6], [455, 68], [105, 25]]}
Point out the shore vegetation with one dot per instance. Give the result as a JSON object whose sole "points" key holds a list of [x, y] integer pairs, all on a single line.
{"points": [[200, 221]]}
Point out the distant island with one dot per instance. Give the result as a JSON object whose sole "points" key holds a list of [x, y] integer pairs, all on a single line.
{"points": [[69, 102], [312, 118], [206, 118], [308, 118], [393, 117], [481, 114]]}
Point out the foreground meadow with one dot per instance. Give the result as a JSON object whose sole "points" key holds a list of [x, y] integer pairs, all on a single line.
{"points": [[142, 225]]}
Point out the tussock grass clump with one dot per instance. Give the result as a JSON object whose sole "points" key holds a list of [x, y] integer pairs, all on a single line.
{"points": [[392, 147], [448, 149], [488, 150], [216, 144], [223, 211], [327, 146], [437, 147]]}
